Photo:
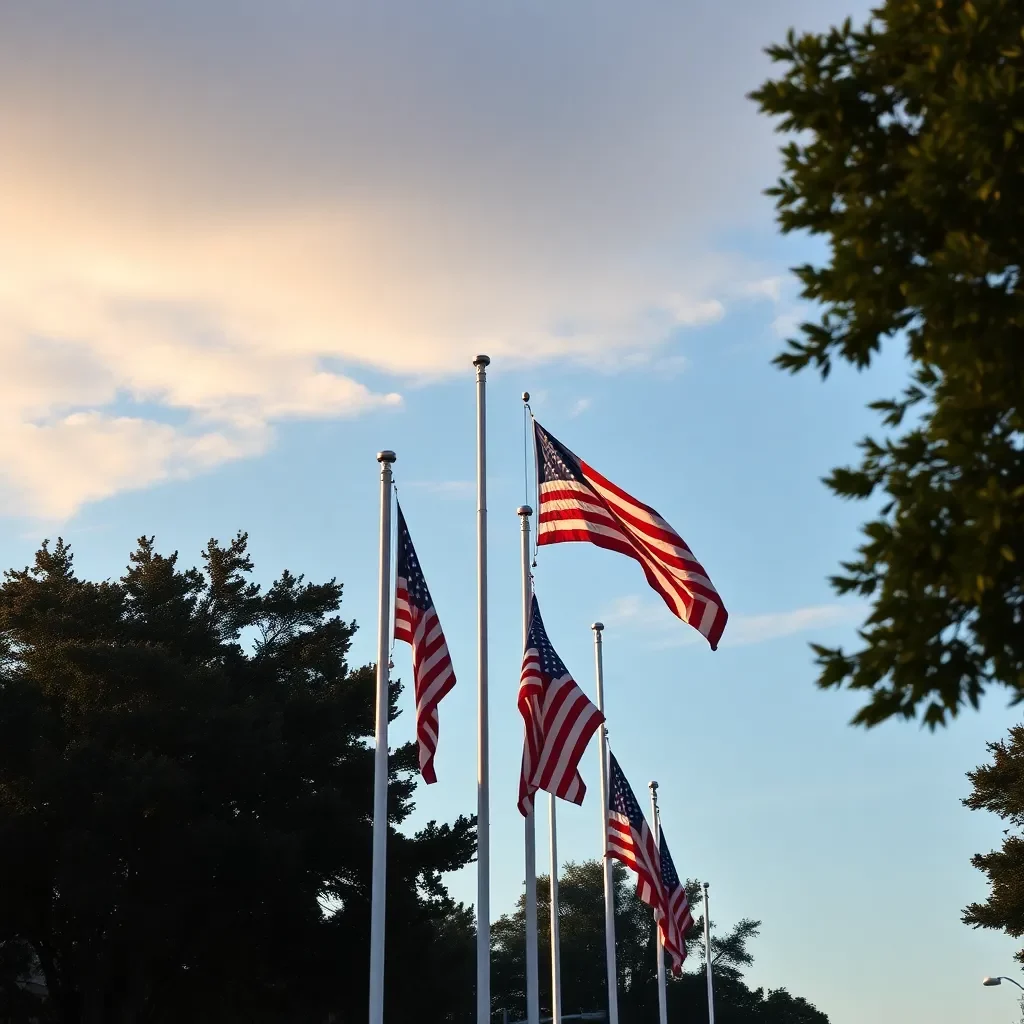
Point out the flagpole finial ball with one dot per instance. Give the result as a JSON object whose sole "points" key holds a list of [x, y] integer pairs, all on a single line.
{"points": [[652, 786], [597, 627], [526, 396], [524, 510], [386, 456], [706, 886], [482, 361]]}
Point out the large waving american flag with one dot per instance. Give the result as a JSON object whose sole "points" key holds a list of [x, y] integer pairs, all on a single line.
{"points": [[560, 719], [630, 839], [416, 623], [577, 503], [676, 920]]}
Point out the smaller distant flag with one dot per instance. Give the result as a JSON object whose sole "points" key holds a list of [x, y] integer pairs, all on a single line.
{"points": [[417, 624], [578, 504], [630, 839], [560, 719], [676, 920]]}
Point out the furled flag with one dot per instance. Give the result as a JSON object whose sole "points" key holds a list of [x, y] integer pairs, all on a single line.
{"points": [[631, 841], [676, 920], [416, 623], [560, 719], [577, 503]]}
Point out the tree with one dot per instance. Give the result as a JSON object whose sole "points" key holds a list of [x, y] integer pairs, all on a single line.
{"points": [[999, 787], [186, 784], [584, 985], [906, 153]]}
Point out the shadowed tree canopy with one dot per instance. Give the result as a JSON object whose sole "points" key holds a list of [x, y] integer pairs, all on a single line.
{"points": [[907, 156], [584, 984], [999, 787], [186, 784]]}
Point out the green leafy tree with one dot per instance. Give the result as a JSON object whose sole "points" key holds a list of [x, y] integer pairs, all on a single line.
{"points": [[179, 806], [584, 985], [906, 155]]}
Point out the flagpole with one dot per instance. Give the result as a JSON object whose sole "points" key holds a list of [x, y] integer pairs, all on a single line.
{"points": [[530, 823], [662, 994], [609, 889], [707, 957], [483, 827], [380, 764], [556, 939]]}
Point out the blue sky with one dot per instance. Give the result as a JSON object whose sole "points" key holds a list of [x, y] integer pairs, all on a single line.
{"points": [[245, 248]]}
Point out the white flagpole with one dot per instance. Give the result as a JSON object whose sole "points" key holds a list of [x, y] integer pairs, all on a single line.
{"points": [[556, 939], [380, 763], [532, 966], [662, 994], [609, 890], [707, 957], [483, 827]]}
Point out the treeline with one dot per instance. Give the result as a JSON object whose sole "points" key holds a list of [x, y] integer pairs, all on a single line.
{"points": [[185, 820]]}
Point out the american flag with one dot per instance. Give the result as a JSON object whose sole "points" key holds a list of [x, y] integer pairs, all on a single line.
{"points": [[630, 839], [560, 719], [577, 503], [676, 921], [416, 623]]}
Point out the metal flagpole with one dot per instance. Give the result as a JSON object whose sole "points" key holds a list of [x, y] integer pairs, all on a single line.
{"points": [[532, 966], [556, 949], [483, 828], [380, 763], [707, 957], [609, 888], [662, 995]]}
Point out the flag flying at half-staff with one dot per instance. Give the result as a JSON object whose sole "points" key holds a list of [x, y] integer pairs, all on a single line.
{"points": [[560, 719], [676, 920], [416, 623], [631, 840], [578, 503]]}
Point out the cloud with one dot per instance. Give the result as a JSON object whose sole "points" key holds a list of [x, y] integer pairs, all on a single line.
{"points": [[231, 227], [637, 613], [787, 324], [579, 407], [87, 456], [755, 629], [766, 288]]}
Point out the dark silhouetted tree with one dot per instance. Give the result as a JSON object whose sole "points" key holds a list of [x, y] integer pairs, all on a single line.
{"points": [[584, 985], [178, 806], [999, 787]]}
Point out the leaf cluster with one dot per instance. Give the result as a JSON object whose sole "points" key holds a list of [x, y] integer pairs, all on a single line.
{"points": [[906, 154]]}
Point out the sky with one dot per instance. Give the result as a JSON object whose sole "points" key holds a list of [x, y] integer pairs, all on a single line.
{"points": [[244, 246]]}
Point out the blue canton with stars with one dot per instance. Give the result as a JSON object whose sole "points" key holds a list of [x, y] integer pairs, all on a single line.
{"points": [[669, 875], [621, 799], [551, 665], [409, 567], [554, 460]]}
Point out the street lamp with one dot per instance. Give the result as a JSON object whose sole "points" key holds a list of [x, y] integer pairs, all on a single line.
{"points": [[1000, 980]]}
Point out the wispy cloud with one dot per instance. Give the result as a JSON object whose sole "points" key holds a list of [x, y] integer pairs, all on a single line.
{"points": [[579, 407], [268, 223], [765, 288], [787, 323], [636, 613], [781, 293]]}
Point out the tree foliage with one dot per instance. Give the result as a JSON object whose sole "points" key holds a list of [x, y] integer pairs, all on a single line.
{"points": [[907, 156], [584, 984], [999, 787], [186, 784]]}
